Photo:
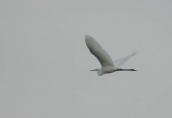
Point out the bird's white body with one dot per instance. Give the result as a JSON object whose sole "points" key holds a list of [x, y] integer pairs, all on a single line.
{"points": [[107, 65], [106, 69]]}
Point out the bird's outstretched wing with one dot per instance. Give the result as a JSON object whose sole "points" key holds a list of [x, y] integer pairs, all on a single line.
{"points": [[121, 61], [98, 51]]}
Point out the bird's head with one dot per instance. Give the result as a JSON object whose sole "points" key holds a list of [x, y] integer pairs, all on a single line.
{"points": [[99, 71], [95, 69]]}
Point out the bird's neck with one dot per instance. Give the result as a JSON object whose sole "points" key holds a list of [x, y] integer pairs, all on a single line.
{"points": [[100, 72]]}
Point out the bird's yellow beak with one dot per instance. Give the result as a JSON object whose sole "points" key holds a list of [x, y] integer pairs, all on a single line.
{"points": [[94, 70]]}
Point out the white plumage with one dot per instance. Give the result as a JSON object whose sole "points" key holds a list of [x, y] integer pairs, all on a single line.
{"points": [[107, 65]]}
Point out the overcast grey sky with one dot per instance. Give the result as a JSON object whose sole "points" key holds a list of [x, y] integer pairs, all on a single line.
{"points": [[44, 64]]}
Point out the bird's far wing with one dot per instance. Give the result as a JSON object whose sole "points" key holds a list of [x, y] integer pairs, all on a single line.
{"points": [[121, 61], [98, 51]]}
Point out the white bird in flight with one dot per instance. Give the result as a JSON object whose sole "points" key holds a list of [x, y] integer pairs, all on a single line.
{"points": [[107, 65]]}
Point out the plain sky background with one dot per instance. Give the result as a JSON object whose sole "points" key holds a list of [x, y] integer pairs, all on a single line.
{"points": [[44, 64]]}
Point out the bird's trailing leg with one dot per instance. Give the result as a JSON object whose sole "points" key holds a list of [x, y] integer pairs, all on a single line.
{"points": [[120, 69]]}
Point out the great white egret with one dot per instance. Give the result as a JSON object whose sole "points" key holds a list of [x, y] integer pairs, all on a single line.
{"points": [[107, 65]]}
